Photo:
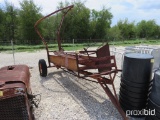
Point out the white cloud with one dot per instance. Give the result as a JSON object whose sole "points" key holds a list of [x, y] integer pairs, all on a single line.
{"points": [[132, 9], [135, 10]]}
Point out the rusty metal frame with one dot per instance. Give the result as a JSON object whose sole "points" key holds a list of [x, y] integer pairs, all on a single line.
{"points": [[58, 32], [14, 82], [80, 63]]}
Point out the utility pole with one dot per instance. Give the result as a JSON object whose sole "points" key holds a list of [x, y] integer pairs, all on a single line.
{"points": [[12, 34]]}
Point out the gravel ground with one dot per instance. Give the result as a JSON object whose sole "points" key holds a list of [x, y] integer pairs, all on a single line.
{"points": [[63, 96]]}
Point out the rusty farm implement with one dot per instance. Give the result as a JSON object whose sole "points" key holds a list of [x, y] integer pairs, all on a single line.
{"points": [[81, 63]]}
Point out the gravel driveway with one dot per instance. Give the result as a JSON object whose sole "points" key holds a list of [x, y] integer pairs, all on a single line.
{"points": [[63, 96]]}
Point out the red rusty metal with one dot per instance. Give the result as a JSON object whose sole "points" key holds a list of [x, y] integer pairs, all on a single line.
{"points": [[58, 32], [80, 63], [16, 73], [14, 88]]}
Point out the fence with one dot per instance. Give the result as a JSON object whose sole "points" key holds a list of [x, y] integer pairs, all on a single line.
{"points": [[31, 59], [118, 52], [54, 41]]}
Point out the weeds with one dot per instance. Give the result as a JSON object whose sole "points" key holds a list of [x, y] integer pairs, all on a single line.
{"points": [[68, 47]]}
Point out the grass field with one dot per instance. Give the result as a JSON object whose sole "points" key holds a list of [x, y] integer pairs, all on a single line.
{"points": [[68, 47]]}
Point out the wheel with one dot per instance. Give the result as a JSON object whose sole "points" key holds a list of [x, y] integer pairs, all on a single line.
{"points": [[42, 67]]}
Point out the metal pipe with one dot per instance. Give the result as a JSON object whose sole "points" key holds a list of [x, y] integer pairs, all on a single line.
{"points": [[13, 51], [58, 33]]}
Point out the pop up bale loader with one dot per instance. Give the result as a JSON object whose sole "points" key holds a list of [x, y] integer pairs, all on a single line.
{"points": [[80, 64]]}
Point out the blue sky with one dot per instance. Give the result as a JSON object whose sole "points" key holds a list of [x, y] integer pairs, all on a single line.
{"points": [[133, 10]]}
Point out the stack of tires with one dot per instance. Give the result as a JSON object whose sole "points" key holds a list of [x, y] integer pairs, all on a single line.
{"points": [[154, 98], [135, 80]]}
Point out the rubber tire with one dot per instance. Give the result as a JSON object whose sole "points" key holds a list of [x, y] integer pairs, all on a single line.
{"points": [[42, 67]]}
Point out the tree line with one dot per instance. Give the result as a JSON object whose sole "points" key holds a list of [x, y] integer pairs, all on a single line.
{"points": [[80, 23]]}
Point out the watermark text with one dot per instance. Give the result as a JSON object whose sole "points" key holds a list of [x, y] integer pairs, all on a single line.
{"points": [[140, 112]]}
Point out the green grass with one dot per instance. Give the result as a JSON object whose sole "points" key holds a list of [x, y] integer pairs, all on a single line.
{"points": [[136, 42], [32, 48], [69, 47]]}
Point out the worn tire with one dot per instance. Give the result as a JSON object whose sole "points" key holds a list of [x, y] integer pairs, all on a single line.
{"points": [[42, 67]]}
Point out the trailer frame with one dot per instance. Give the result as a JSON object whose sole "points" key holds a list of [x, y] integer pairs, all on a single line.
{"points": [[82, 63]]}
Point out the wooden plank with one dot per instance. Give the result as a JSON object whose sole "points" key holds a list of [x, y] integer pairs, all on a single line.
{"points": [[64, 61]]}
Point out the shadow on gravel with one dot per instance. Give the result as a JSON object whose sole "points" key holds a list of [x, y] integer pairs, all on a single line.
{"points": [[83, 92]]}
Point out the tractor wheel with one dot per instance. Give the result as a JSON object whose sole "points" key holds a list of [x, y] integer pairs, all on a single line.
{"points": [[42, 67]]}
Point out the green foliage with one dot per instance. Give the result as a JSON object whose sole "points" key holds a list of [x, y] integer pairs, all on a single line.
{"points": [[2, 16], [135, 42], [76, 23], [114, 33], [147, 29], [22, 48], [49, 28], [79, 23], [127, 29], [100, 23], [8, 22], [28, 15]]}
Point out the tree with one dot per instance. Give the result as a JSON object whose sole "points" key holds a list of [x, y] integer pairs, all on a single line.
{"points": [[2, 17], [114, 33], [100, 23], [28, 15], [8, 22], [158, 32], [147, 29], [82, 23], [76, 23], [49, 28], [127, 29]]}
